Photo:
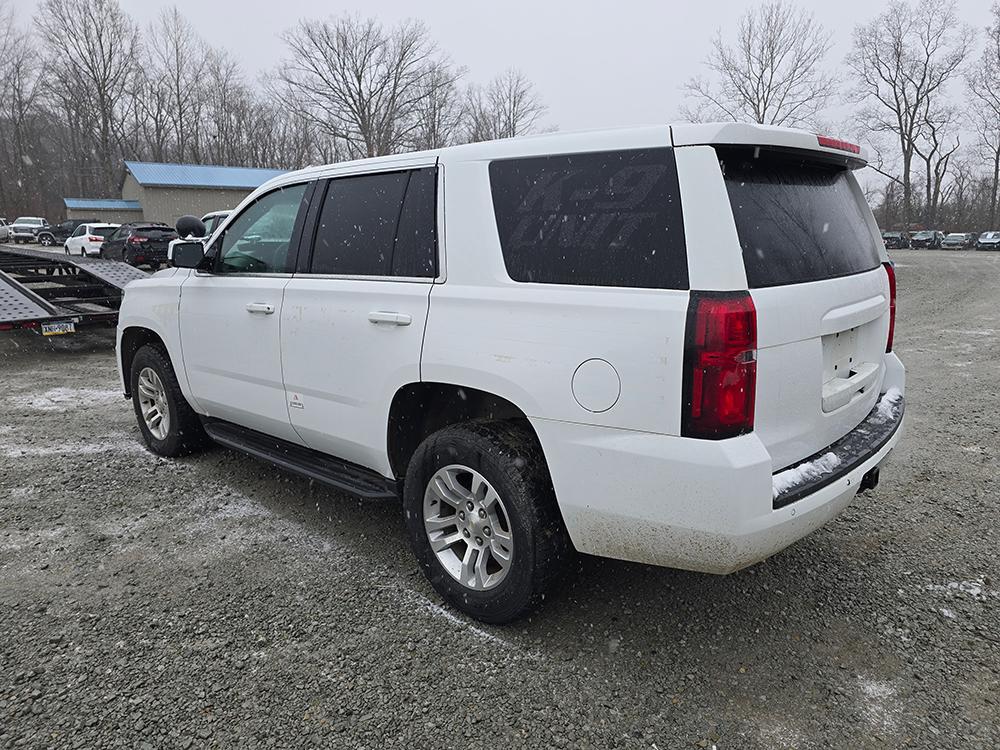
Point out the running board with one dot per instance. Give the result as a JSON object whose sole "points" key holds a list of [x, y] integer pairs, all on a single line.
{"points": [[334, 472]]}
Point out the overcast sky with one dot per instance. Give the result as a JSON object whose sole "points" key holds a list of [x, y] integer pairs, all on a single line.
{"points": [[595, 64]]}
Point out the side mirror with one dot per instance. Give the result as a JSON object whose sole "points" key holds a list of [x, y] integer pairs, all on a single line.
{"points": [[188, 254], [190, 226]]}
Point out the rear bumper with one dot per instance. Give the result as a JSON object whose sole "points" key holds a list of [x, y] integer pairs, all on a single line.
{"points": [[696, 504]]}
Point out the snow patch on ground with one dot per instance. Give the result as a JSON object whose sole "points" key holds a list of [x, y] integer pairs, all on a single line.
{"points": [[975, 588], [785, 480], [879, 704], [66, 399], [125, 444]]}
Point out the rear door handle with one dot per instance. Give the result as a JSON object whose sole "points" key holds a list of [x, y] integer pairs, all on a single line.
{"points": [[261, 308], [390, 318]]}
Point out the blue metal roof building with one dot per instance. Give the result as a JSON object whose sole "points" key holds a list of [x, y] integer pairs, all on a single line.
{"points": [[169, 191], [201, 176], [101, 204]]}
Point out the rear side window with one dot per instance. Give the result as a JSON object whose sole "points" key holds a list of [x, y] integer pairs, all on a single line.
{"points": [[609, 218], [798, 219], [378, 225]]}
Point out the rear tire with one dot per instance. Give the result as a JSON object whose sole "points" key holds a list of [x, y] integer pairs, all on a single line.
{"points": [[155, 390], [505, 461]]}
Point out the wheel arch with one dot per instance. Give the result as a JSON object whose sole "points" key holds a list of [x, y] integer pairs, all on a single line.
{"points": [[422, 408], [134, 338]]}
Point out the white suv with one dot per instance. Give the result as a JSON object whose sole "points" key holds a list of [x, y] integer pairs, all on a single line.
{"points": [[671, 345]]}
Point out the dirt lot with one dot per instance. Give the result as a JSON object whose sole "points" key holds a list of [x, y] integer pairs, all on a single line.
{"points": [[216, 601]]}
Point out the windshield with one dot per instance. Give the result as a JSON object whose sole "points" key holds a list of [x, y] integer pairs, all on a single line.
{"points": [[28, 220], [955, 237]]}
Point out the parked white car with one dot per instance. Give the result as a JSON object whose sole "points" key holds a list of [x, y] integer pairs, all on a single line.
{"points": [[671, 345], [88, 238], [26, 228], [4, 230]]}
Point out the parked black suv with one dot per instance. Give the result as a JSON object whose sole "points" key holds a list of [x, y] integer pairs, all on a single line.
{"points": [[57, 234], [141, 243], [895, 240]]}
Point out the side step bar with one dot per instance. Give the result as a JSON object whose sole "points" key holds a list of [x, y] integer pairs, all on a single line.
{"points": [[343, 475]]}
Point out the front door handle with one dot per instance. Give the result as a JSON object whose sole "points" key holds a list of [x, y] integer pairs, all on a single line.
{"points": [[260, 308], [390, 318]]}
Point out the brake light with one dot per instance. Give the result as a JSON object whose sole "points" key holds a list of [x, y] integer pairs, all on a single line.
{"points": [[95, 239], [891, 272], [720, 365], [137, 240], [827, 142]]}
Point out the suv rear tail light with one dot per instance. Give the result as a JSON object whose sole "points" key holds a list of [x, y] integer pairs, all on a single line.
{"points": [[137, 240], [892, 304], [720, 365], [92, 238]]}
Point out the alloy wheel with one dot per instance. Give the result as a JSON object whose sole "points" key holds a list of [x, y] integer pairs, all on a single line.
{"points": [[153, 403], [468, 527]]}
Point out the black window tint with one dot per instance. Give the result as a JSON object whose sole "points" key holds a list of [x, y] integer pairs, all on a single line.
{"points": [[259, 239], [357, 224], [415, 251], [798, 219], [602, 219]]}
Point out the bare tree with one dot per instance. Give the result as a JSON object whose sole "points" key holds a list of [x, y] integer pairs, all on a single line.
{"points": [[95, 65], [179, 60], [439, 111], [507, 107], [21, 83], [935, 148], [903, 61], [771, 74], [983, 84], [359, 82]]}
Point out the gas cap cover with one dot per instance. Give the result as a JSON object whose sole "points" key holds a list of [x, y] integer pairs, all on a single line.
{"points": [[596, 385]]}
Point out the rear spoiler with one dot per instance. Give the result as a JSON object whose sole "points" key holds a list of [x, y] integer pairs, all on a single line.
{"points": [[738, 134]]}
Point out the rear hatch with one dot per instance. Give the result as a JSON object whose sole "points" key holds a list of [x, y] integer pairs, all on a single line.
{"points": [[810, 248], [157, 239]]}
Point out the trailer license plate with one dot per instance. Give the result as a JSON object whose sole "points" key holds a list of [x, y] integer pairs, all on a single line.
{"points": [[56, 329]]}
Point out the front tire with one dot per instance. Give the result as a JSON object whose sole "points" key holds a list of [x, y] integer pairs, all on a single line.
{"points": [[168, 424], [482, 519]]}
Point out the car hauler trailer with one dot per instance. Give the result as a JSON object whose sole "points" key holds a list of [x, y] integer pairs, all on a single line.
{"points": [[54, 294]]}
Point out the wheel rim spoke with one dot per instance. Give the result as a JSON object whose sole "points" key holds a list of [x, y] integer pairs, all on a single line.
{"points": [[153, 403], [473, 541]]}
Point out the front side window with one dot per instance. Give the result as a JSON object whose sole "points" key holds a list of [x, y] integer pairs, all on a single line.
{"points": [[378, 225], [259, 239], [610, 218]]}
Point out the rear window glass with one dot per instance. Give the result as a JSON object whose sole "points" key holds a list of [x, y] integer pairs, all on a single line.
{"points": [[798, 219], [102, 231], [599, 219]]}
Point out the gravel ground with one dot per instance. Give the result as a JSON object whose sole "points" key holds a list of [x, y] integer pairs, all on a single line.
{"points": [[217, 602]]}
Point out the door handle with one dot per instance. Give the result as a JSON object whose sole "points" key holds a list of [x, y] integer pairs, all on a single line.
{"points": [[390, 318], [262, 308]]}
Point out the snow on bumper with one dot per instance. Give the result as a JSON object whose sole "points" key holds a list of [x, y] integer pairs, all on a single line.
{"points": [[692, 504]]}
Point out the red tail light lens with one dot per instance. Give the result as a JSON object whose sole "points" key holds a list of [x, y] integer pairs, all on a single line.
{"points": [[720, 365], [95, 239], [137, 240], [892, 304]]}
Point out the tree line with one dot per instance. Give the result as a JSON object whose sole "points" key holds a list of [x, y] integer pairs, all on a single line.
{"points": [[83, 88], [924, 88]]}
